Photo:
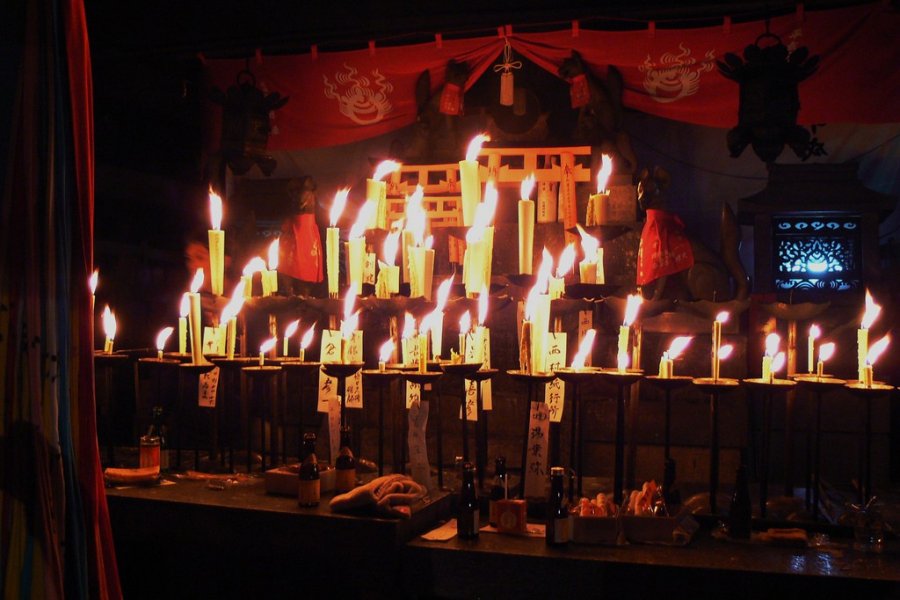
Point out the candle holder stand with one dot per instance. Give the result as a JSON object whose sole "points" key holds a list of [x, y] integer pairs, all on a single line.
{"points": [[668, 385], [464, 371], [768, 388], [623, 382], [818, 387], [574, 378], [265, 378], [228, 409], [156, 366], [106, 364], [382, 380], [867, 393], [423, 379], [531, 381], [193, 371], [715, 388], [295, 371], [341, 371]]}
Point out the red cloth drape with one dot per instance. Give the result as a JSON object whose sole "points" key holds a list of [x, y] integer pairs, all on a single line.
{"points": [[664, 248], [670, 73]]}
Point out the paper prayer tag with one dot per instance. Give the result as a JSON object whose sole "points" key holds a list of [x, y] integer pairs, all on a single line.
{"points": [[369, 269], [330, 353], [418, 451], [538, 442], [206, 389], [354, 389], [555, 391]]}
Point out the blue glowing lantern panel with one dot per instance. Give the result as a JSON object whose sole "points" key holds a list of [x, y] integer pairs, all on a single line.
{"points": [[817, 252]]}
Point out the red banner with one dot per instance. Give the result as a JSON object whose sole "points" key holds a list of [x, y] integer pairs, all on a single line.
{"points": [[343, 97]]}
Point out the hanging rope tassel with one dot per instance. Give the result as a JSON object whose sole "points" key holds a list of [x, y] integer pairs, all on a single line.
{"points": [[507, 85]]}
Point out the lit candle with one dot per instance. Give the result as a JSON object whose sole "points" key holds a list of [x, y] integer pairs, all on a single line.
{"points": [[256, 265], [265, 347], [92, 284], [413, 229], [184, 310], [488, 210], [356, 248], [526, 364], [216, 245], [229, 319], [424, 327], [421, 269], [862, 335], [591, 268], [540, 323], [305, 342], [814, 333], [874, 352], [722, 317], [388, 281], [778, 362], [289, 331], [465, 325], [526, 225], [772, 341], [161, 339], [194, 317], [384, 354], [348, 324], [479, 244], [724, 352], [557, 285], [109, 329], [469, 179], [584, 349], [376, 192], [598, 204], [406, 338], [270, 275], [437, 318], [667, 362], [632, 305], [333, 241], [826, 351]]}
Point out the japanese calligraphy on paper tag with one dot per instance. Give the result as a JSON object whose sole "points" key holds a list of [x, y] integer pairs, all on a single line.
{"points": [[478, 349], [211, 342], [206, 389], [330, 353], [369, 269], [354, 388], [538, 443], [411, 357], [555, 391], [334, 427], [418, 451]]}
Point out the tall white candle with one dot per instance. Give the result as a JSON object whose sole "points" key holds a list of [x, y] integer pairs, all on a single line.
{"points": [[598, 204], [526, 226], [814, 333], [195, 318], [183, 311], [270, 275], [216, 245], [109, 329], [862, 335], [332, 241], [376, 192], [469, 179]]}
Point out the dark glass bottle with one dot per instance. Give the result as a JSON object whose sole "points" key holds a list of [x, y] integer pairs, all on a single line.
{"points": [[557, 515], [467, 519], [345, 465], [499, 489], [740, 513], [309, 490]]}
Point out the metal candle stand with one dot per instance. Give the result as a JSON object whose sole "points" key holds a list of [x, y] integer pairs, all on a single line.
{"points": [[106, 364], [573, 378], [623, 381], [423, 379], [714, 387], [768, 388], [156, 365], [867, 393], [531, 381], [341, 371], [668, 385], [194, 371], [299, 369], [474, 372], [382, 380], [230, 369], [265, 376], [818, 386]]}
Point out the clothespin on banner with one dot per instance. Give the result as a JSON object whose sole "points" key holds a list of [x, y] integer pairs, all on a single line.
{"points": [[439, 40]]}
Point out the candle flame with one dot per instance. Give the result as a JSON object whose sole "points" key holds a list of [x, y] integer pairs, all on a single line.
{"points": [[475, 146], [488, 206], [527, 187], [772, 341], [109, 323], [632, 305], [778, 362], [877, 348], [416, 217], [337, 206], [197, 281], [409, 326], [544, 271], [391, 244], [307, 337], [589, 244], [385, 167], [349, 302], [429, 242], [483, 304], [679, 345], [162, 337], [255, 265], [531, 303], [871, 313], [465, 323], [604, 173], [273, 255], [723, 317], [725, 351], [267, 345], [622, 361], [234, 305], [826, 351], [815, 332], [184, 308], [387, 348], [443, 293], [566, 261], [215, 210], [362, 219], [349, 325], [93, 280], [291, 328], [584, 349]]}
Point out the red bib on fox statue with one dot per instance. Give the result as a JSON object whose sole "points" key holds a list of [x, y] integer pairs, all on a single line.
{"points": [[301, 248], [664, 249]]}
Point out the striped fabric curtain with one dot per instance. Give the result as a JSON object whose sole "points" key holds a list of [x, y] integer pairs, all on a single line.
{"points": [[55, 538]]}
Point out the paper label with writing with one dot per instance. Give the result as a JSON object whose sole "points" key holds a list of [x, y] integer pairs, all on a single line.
{"points": [[585, 322], [410, 351], [211, 342], [478, 349], [418, 451], [538, 443], [354, 388], [206, 389], [369, 270], [555, 391], [334, 428], [330, 353]]}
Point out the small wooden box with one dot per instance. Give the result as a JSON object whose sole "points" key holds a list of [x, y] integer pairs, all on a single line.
{"points": [[595, 530], [512, 516]]}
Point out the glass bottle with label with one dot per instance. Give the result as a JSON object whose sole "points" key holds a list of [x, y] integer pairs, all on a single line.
{"points": [[467, 519], [309, 490], [557, 515], [499, 489], [152, 453], [345, 465]]}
